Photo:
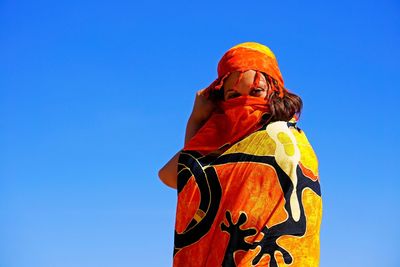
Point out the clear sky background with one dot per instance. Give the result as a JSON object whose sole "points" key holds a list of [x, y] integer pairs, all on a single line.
{"points": [[94, 99]]}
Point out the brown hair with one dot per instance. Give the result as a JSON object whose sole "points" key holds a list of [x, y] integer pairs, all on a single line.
{"points": [[282, 109]]}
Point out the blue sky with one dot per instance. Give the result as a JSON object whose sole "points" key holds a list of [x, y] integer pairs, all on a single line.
{"points": [[94, 99]]}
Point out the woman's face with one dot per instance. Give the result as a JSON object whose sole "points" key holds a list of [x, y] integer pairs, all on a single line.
{"points": [[244, 87]]}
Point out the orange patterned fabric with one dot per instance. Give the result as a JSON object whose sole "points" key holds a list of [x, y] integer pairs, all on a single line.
{"points": [[256, 203]]}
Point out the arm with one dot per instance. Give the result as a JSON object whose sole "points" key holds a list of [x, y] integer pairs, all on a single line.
{"points": [[201, 112], [168, 174]]}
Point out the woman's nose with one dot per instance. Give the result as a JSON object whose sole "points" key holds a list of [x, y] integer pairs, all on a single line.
{"points": [[246, 91]]}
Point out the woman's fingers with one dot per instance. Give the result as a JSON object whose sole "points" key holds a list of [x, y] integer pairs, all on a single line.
{"points": [[203, 106]]}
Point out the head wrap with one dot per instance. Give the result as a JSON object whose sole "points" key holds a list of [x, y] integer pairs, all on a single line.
{"points": [[249, 56], [238, 117]]}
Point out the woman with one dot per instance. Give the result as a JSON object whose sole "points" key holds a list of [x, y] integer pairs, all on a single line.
{"points": [[247, 178]]}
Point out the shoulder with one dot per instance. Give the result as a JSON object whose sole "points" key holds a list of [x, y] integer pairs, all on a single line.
{"points": [[292, 147]]}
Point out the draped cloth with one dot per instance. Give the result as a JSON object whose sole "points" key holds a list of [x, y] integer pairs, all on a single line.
{"points": [[248, 193], [234, 119], [249, 56]]}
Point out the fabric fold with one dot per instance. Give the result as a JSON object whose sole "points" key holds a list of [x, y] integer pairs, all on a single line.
{"points": [[237, 118]]}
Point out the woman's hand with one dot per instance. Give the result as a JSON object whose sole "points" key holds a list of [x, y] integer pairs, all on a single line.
{"points": [[202, 108]]}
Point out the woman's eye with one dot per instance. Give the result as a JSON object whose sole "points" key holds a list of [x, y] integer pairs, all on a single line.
{"points": [[233, 95], [257, 90]]}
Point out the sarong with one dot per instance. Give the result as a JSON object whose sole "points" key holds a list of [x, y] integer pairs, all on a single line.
{"points": [[257, 203]]}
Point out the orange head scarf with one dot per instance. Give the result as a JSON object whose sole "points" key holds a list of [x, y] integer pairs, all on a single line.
{"points": [[238, 117], [249, 56]]}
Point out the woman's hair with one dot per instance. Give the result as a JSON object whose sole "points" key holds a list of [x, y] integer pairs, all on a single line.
{"points": [[282, 109]]}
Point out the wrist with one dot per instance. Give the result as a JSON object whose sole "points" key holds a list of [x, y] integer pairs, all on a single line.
{"points": [[195, 119]]}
